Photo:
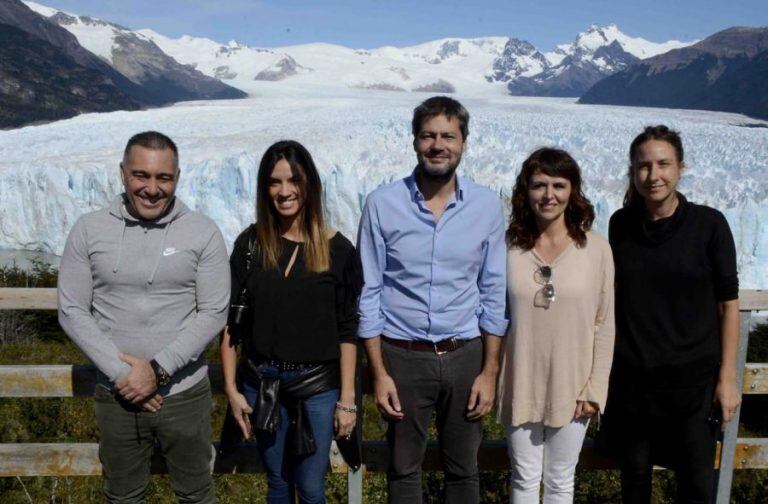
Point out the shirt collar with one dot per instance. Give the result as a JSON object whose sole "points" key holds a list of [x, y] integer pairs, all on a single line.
{"points": [[416, 194]]}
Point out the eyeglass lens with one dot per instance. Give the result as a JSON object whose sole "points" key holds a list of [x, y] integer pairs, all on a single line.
{"points": [[548, 289]]}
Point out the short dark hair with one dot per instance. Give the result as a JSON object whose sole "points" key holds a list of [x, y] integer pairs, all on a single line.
{"points": [[579, 215], [658, 132], [440, 105], [152, 140]]}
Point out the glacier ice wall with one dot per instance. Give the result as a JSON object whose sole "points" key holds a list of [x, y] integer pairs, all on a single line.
{"points": [[52, 174]]}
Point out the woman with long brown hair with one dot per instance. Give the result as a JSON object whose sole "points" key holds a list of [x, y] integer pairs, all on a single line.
{"points": [[295, 285], [558, 349]]}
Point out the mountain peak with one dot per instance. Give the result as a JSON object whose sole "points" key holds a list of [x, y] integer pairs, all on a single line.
{"points": [[595, 37], [598, 36], [43, 10]]}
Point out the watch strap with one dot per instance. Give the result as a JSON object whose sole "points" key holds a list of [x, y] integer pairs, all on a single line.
{"points": [[161, 375]]}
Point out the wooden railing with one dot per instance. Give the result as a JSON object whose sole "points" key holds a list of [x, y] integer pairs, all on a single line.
{"points": [[81, 459]]}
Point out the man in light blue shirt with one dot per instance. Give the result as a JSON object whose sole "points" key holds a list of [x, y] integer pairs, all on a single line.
{"points": [[433, 256]]}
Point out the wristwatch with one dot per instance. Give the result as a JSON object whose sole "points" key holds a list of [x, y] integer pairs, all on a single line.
{"points": [[161, 375]]}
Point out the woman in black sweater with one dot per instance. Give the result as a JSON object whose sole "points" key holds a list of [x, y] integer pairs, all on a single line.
{"points": [[298, 282], [673, 383]]}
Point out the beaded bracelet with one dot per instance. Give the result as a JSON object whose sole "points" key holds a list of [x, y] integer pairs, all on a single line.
{"points": [[344, 407]]}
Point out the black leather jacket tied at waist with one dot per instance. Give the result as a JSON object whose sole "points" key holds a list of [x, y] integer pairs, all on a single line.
{"points": [[291, 393]]}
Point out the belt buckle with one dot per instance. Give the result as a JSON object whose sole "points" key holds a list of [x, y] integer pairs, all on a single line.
{"points": [[442, 352]]}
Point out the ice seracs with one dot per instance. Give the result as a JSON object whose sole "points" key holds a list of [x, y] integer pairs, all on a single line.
{"points": [[52, 174]]}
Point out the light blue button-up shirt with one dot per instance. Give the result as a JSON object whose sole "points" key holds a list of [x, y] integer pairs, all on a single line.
{"points": [[432, 281]]}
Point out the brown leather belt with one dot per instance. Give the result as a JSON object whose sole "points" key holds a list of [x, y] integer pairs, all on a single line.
{"points": [[440, 347]]}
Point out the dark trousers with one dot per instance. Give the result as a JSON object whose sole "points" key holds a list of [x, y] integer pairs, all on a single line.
{"points": [[694, 472], [673, 431], [128, 436], [427, 382]]}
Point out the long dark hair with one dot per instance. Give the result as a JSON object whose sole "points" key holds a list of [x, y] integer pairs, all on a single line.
{"points": [[579, 215], [659, 132], [313, 230]]}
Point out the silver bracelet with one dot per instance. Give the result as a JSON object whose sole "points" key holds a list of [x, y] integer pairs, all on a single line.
{"points": [[344, 407]]}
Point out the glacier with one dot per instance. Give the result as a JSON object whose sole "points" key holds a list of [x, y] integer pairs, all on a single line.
{"points": [[51, 174]]}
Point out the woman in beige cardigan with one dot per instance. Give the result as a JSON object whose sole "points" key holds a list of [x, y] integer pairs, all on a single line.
{"points": [[559, 347]]}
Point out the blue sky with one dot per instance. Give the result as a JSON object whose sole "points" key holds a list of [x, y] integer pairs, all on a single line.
{"points": [[369, 24]]}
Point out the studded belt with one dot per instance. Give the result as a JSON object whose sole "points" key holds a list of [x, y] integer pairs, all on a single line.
{"points": [[284, 365]]}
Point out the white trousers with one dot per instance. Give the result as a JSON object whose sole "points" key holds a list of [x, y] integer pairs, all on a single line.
{"points": [[535, 451]]}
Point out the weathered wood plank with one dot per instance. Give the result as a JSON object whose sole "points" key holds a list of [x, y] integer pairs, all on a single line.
{"points": [[49, 459], [82, 459], [751, 454], [47, 381], [753, 300], [65, 380], [245, 458], [756, 378], [14, 298], [79, 380]]}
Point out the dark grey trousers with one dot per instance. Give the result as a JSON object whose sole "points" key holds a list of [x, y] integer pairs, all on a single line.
{"points": [[128, 436], [427, 382]]}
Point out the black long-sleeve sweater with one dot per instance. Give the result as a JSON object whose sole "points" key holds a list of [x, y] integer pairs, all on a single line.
{"points": [[670, 276], [302, 317]]}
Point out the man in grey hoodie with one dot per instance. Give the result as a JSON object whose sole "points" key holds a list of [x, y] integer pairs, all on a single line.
{"points": [[143, 288]]}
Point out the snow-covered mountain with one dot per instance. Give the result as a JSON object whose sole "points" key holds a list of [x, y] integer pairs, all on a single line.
{"points": [[159, 77], [476, 66], [571, 69], [596, 37], [462, 65], [445, 65], [518, 59], [726, 71], [52, 174], [231, 61]]}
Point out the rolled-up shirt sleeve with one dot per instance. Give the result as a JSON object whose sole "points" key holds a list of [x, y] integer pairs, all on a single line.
{"points": [[372, 250], [492, 280]]}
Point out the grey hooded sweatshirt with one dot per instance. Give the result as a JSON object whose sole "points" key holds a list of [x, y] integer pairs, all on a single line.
{"points": [[152, 289]]}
